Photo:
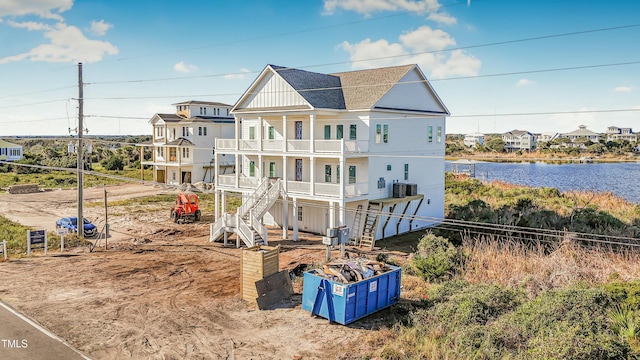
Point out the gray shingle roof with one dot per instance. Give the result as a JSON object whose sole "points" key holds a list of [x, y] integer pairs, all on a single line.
{"points": [[319, 90], [198, 102], [350, 90], [362, 89]]}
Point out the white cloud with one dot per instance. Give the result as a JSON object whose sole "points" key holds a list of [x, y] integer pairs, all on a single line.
{"points": [[184, 68], [623, 89], [442, 18], [238, 75], [29, 25], [524, 82], [426, 39], [67, 44], [41, 8], [100, 27], [426, 42], [368, 6]]}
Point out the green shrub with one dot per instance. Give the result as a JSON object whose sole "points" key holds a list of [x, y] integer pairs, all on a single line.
{"points": [[436, 259]]}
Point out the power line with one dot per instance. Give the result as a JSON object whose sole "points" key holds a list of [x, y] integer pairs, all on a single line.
{"points": [[31, 104], [37, 92]]}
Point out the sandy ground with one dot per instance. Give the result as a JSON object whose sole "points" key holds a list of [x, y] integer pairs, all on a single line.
{"points": [[161, 290]]}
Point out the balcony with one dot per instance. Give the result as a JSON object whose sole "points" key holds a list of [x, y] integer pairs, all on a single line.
{"points": [[300, 188], [295, 146]]}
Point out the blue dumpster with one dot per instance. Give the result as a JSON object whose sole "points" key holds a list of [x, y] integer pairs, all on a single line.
{"points": [[346, 303]]}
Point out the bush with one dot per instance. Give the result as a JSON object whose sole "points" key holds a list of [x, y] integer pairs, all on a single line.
{"points": [[114, 163], [436, 259]]}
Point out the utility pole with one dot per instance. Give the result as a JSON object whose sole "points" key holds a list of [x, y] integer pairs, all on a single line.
{"points": [[80, 154]]}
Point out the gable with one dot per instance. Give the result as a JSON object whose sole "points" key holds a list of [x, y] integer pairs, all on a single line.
{"points": [[414, 93], [271, 91]]}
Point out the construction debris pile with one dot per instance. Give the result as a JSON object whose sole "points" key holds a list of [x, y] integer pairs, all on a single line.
{"points": [[352, 270]]}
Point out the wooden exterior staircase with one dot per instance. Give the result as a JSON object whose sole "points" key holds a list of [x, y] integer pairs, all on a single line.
{"points": [[368, 238], [247, 222]]}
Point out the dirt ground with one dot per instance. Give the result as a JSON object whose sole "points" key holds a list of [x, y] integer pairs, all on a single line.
{"points": [[161, 290]]}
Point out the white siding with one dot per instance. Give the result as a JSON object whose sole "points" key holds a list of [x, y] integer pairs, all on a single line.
{"points": [[274, 92], [416, 95]]}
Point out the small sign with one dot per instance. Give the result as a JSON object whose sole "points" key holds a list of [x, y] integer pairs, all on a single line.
{"points": [[338, 290], [373, 286], [36, 237]]}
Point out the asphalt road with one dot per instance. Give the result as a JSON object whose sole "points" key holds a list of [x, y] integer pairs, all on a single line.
{"points": [[22, 338]]}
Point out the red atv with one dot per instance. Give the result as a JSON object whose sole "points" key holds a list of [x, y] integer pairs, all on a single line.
{"points": [[186, 209]]}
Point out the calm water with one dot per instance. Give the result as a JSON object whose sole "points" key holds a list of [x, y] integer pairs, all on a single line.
{"points": [[622, 179]]}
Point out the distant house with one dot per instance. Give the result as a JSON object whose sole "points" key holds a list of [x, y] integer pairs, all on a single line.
{"points": [[183, 143], [547, 136], [9, 151], [519, 140], [582, 133], [473, 140], [616, 133]]}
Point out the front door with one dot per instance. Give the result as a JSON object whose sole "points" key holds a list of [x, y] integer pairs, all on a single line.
{"points": [[186, 177], [298, 169], [298, 130]]}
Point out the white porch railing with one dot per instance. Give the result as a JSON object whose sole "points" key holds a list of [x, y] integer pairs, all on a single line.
{"points": [[328, 146], [298, 145], [326, 189], [277, 145], [299, 187], [227, 180], [225, 144], [249, 145], [246, 181], [356, 146], [356, 189]]}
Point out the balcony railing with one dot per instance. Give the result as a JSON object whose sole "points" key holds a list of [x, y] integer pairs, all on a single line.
{"points": [[296, 145], [326, 189], [301, 187], [357, 189], [226, 180]]}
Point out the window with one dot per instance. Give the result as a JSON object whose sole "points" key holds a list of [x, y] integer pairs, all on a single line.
{"points": [[204, 130], [406, 171], [339, 129], [353, 131], [327, 173], [199, 130], [352, 174], [200, 110], [252, 168], [172, 154], [185, 131], [337, 174], [327, 132], [272, 169], [378, 133], [385, 133], [388, 167], [430, 133], [160, 152], [439, 138], [299, 213], [173, 175], [252, 133], [205, 111], [174, 133], [271, 132]]}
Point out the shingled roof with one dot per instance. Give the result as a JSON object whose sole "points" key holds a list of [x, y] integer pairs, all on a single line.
{"points": [[319, 90], [351, 90], [363, 88]]}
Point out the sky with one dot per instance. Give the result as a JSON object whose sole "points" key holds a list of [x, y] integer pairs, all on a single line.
{"points": [[498, 65]]}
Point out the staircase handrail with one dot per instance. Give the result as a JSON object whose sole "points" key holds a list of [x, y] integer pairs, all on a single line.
{"points": [[257, 226], [256, 195], [244, 231], [269, 197], [217, 228]]}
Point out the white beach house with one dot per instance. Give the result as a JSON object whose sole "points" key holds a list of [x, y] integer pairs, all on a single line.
{"points": [[317, 151]]}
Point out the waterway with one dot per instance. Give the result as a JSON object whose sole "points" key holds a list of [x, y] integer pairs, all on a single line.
{"points": [[621, 179]]}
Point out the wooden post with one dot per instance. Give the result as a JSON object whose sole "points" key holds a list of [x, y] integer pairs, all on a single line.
{"points": [[141, 166], [106, 218]]}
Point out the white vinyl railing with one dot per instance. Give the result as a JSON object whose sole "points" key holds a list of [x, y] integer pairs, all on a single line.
{"points": [[225, 144], [328, 146], [277, 145], [298, 145], [244, 231], [249, 145], [327, 189], [356, 189], [227, 180], [299, 187], [250, 182]]}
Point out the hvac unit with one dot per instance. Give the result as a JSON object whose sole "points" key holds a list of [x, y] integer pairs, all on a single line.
{"points": [[412, 189], [399, 190]]}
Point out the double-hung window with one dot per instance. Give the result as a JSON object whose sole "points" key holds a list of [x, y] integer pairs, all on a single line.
{"points": [[378, 133], [339, 130], [327, 132], [439, 138], [430, 133], [327, 173], [406, 172], [352, 174], [385, 133], [271, 133], [353, 131]]}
